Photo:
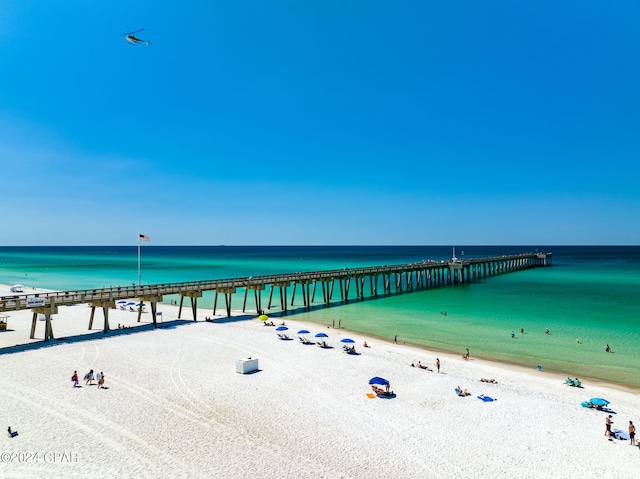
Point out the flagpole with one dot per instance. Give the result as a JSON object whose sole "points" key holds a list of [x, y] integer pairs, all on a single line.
{"points": [[138, 260]]}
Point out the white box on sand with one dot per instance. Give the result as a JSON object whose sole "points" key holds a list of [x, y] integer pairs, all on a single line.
{"points": [[244, 366]]}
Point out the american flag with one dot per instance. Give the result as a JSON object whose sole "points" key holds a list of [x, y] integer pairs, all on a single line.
{"points": [[144, 238]]}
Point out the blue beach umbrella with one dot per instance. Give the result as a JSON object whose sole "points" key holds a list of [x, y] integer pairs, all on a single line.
{"points": [[347, 340], [379, 380], [322, 335], [281, 328], [122, 301], [303, 331], [599, 401]]}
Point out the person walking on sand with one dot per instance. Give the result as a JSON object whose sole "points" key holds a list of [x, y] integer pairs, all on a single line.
{"points": [[438, 364], [101, 380], [74, 379], [607, 422], [467, 353], [89, 378], [632, 434], [395, 340]]}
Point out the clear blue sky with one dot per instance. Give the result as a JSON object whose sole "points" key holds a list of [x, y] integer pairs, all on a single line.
{"points": [[332, 122]]}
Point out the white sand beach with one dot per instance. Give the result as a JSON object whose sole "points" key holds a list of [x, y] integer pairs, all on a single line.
{"points": [[176, 407]]}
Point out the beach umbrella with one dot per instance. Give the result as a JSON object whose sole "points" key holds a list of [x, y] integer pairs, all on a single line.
{"points": [[303, 331], [322, 335], [347, 340], [378, 380], [131, 303], [122, 301], [281, 328], [263, 317], [599, 401]]}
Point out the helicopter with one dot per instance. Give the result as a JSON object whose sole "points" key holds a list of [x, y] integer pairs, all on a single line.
{"points": [[133, 40]]}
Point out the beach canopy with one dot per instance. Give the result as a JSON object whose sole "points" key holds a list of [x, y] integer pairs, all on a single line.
{"points": [[303, 331], [378, 380], [263, 317], [322, 335], [347, 340], [122, 301], [281, 328], [599, 401]]}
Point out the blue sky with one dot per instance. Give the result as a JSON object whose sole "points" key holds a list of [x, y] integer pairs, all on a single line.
{"points": [[289, 122]]}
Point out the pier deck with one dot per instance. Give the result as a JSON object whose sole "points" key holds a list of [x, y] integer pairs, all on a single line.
{"points": [[379, 279]]}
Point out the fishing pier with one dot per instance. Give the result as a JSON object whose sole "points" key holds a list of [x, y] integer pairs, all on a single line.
{"points": [[332, 286]]}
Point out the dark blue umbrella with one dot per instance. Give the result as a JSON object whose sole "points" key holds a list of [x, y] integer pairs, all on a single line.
{"points": [[322, 335], [281, 328], [347, 340], [378, 380], [599, 401], [302, 331]]}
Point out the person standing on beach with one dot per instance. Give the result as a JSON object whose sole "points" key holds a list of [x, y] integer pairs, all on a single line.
{"points": [[607, 422], [467, 353], [438, 364], [395, 340], [339, 323], [74, 379], [632, 434], [89, 378], [101, 380]]}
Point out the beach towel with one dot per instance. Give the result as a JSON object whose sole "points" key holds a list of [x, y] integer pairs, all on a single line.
{"points": [[371, 395], [620, 434], [484, 398]]}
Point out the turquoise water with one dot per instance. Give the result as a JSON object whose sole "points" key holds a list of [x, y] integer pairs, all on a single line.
{"points": [[591, 293]]}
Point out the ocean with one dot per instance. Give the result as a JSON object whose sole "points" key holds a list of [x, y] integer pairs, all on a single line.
{"points": [[589, 298]]}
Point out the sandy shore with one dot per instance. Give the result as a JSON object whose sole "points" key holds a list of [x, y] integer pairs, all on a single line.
{"points": [[175, 406]]}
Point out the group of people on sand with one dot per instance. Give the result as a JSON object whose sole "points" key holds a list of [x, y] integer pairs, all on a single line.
{"points": [[382, 392], [492, 381], [631, 428], [421, 366], [424, 366], [88, 378], [462, 392]]}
